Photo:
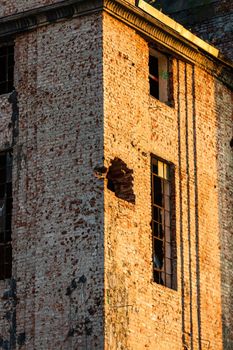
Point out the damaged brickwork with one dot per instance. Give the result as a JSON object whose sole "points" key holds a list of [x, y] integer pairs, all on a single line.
{"points": [[120, 180], [83, 127]]}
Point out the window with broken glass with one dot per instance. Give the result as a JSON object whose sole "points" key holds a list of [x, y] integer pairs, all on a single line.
{"points": [[6, 69], [5, 214], [161, 223], [159, 77]]}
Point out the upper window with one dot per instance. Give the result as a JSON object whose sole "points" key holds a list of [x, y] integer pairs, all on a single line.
{"points": [[163, 240], [5, 214], [6, 69], [158, 75]]}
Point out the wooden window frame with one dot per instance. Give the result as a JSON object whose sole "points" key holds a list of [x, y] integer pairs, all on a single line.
{"points": [[159, 76], [163, 222]]}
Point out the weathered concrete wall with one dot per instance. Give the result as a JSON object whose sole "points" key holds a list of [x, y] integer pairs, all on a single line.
{"points": [[140, 313], [58, 200], [210, 19]]}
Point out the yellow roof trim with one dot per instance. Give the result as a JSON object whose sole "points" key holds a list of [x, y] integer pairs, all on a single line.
{"points": [[178, 28]]}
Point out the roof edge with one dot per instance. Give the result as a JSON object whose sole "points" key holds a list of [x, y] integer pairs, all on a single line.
{"points": [[185, 33]]}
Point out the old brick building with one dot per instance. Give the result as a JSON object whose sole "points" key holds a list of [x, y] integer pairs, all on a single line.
{"points": [[115, 140]]}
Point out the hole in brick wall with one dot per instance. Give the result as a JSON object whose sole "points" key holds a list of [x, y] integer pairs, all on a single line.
{"points": [[120, 180]]}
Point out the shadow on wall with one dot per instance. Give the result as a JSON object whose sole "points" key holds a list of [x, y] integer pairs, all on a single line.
{"points": [[225, 180], [222, 141], [188, 340]]}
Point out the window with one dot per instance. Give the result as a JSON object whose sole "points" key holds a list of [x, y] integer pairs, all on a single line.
{"points": [[6, 69], [5, 214], [163, 242], [158, 75]]}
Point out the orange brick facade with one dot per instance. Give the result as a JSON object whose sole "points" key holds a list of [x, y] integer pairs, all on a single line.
{"points": [[141, 314], [82, 257]]}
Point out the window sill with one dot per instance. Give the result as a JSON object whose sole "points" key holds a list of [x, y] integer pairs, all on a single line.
{"points": [[153, 100], [162, 288]]}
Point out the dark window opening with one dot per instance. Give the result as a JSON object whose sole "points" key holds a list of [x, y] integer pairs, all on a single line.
{"points": [[120, 180], [164, 257], [5, 214], [154, 76], [160, 78], [6, 69]]}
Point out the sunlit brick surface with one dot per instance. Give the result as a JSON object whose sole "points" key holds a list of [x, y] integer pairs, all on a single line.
{"points": [[82, 256], [141, 314]]}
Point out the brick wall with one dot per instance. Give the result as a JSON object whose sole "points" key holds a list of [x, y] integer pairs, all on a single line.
{"points": [[139, 313], [10, 7], [82, 258], [7, 307], [225, 166], [58, 200]]}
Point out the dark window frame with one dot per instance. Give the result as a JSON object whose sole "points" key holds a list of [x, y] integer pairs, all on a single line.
{"points": [[160, 76], [7, 68], [163, 222], [6, 158]]}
